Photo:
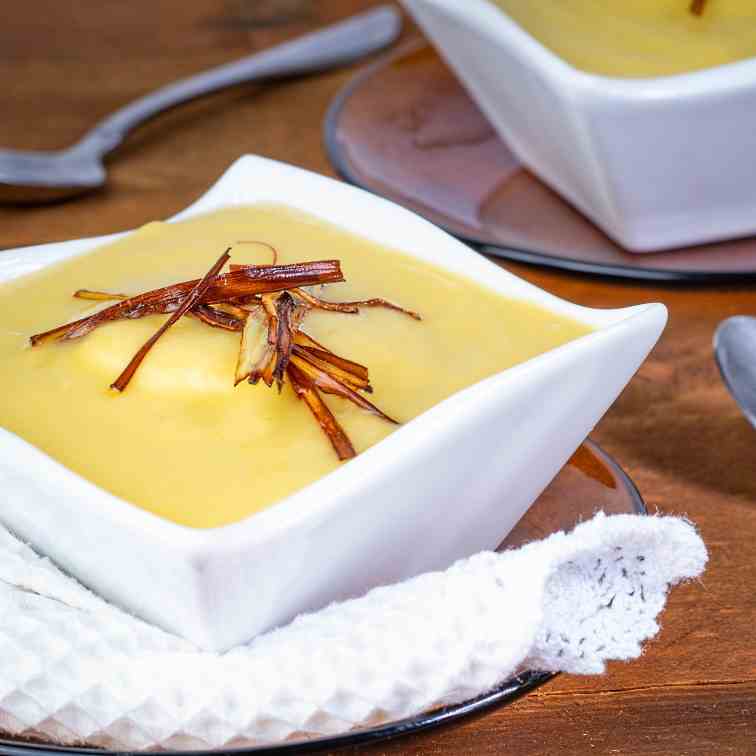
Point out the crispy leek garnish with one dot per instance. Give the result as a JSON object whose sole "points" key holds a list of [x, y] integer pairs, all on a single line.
{"points": [[351, 307], [266, 304], [306, 391]]}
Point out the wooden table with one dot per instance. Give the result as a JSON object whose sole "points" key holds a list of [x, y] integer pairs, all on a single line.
{"points": [[675, 428]]}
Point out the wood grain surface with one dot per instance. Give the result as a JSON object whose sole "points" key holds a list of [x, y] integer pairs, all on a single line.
{"points": [[675, 429]]}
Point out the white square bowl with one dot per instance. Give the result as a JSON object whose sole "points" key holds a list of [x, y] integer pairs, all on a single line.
{"points": [[657, 163], [451, 482]]}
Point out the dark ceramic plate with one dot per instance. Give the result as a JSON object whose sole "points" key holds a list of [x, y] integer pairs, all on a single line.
{"points": [[589, 482], [406, 129]]}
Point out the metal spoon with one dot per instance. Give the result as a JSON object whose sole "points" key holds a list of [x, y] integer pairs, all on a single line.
{"points": [[34, 177], [735, 351]]}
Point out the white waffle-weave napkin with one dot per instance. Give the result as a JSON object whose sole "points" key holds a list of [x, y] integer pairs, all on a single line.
{"points": [[74, 669]]}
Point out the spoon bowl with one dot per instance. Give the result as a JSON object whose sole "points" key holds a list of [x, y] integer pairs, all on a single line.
{"points": [[29, 177], [735, 352]]}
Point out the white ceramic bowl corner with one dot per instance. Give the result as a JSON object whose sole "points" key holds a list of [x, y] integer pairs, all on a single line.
{"points": [[450, 483], [656, 163]]}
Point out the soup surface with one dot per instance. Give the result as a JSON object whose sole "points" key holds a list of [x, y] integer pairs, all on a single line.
{"points": [[640, 38], [181, 441]]}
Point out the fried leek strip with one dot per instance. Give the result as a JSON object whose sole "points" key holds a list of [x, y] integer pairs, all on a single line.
{"points": [[351, 307], [217, 318], [334, 366], [306, 391], [330, 385], [285, 308], [226, 317], [98, 296]]}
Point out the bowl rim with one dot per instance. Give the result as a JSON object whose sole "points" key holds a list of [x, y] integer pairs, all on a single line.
{"points": [[267, 525], [494, 22]]}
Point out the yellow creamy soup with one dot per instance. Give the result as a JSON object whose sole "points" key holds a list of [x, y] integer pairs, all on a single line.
{"points": [[181, 441], [640, 38]]}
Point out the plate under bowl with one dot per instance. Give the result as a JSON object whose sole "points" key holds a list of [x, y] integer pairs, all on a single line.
{"points": [[590, 481]]}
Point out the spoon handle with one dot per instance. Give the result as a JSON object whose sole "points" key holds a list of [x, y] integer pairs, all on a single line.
{"points": [[332, 46]]}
